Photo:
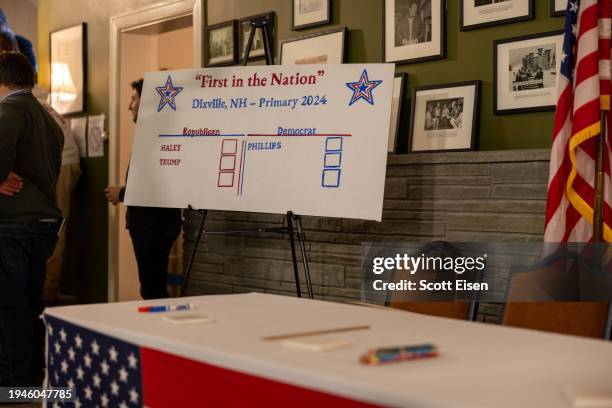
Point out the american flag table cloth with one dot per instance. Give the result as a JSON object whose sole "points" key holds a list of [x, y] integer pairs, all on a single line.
{"points": [[106, 370], [114, 356]]}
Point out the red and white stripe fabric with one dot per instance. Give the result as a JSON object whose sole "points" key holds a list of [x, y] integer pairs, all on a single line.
{"points": [[584, 91]]}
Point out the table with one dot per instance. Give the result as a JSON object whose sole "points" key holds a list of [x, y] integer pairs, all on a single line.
{"points": [[480, 365]]}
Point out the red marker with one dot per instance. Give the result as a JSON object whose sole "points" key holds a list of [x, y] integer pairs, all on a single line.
{"points": [[164, 308]]}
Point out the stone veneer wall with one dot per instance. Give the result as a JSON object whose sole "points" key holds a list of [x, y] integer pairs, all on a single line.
{"points": [[495, 196]]}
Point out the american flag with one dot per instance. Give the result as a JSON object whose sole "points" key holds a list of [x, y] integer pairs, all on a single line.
{"points": [[583, 92], [101, 370]]}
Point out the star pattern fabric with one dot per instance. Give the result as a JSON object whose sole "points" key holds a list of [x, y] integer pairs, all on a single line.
{"points": [[101, 370]]}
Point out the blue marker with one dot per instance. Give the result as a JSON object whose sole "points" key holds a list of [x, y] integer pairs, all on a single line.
{"points": [[165, 308]]}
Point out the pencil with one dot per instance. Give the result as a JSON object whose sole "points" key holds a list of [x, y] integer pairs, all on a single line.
{"points": [[314, 333]]}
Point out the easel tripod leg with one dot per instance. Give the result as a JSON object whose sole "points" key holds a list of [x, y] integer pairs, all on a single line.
{"points": [[267, 44], [301, 238], [608, 329], [194, 250], [298, 290], [247, 50]]}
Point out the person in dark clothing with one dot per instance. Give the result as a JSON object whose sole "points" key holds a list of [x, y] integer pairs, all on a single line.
{"points": [[153, 230], [27, 49], [8, 42], [30, 157], [25, 45]]}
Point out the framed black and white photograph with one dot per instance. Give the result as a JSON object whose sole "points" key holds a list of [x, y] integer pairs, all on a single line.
{"points": [[257, 49], [222, 44], [445, 117], [558, 7], [397, 104], [526, 72], [68, 58], [310, 13], [413, 30], [325, 47], [487, 13]]}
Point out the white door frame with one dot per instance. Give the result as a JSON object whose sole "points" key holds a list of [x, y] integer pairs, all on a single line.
{"points": [[153, 14]]}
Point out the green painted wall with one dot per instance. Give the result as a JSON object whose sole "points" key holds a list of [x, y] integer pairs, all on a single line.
{"points": [[469, 57]]}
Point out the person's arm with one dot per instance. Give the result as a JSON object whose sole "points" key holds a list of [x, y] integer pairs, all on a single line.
{"points": [[11, 185], [114, 194], [12, 125]]}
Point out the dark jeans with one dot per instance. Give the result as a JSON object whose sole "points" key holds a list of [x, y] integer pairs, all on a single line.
{"points": [[152, 244], [24, 250]]}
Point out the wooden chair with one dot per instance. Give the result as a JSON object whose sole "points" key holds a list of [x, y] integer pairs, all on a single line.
{"points": [[453, 310], [587, 319], [561, 278]]}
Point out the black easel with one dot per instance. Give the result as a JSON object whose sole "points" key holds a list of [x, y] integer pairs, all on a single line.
{"points": [[262, 23]]}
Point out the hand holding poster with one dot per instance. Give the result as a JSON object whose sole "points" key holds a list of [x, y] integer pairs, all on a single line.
{"points": [[308, 139]]}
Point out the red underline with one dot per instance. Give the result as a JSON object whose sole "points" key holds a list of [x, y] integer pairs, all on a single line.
{"points": [[318, 134]]}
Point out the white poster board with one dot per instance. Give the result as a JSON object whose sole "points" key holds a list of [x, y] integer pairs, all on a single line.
{"points": [[310, 139]]}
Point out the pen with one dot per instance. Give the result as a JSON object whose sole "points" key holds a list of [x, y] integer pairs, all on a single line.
{"points": [[165, 308]]}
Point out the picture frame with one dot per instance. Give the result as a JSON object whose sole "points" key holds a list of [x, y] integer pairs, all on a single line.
{"points": [[474, 14], [310, 13], [68, 66], [221, 42], [558, 8], [324, 47], [526, 72], [396, 128], [257, 50], [445, 117], [409, 39]]}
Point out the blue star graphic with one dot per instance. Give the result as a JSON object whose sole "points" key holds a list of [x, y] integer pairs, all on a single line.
{"points": [[168, 92], [362, 89]]}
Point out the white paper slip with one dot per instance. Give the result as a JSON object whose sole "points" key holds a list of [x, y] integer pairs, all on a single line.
{"points": [[187, 319], [316, 345]]}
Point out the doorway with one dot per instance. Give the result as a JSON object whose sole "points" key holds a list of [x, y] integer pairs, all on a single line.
{"points": [[146, 40], [152, 48]]}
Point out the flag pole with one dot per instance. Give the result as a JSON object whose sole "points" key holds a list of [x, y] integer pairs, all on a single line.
{"points": [[598, 220], [599, 181]]}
